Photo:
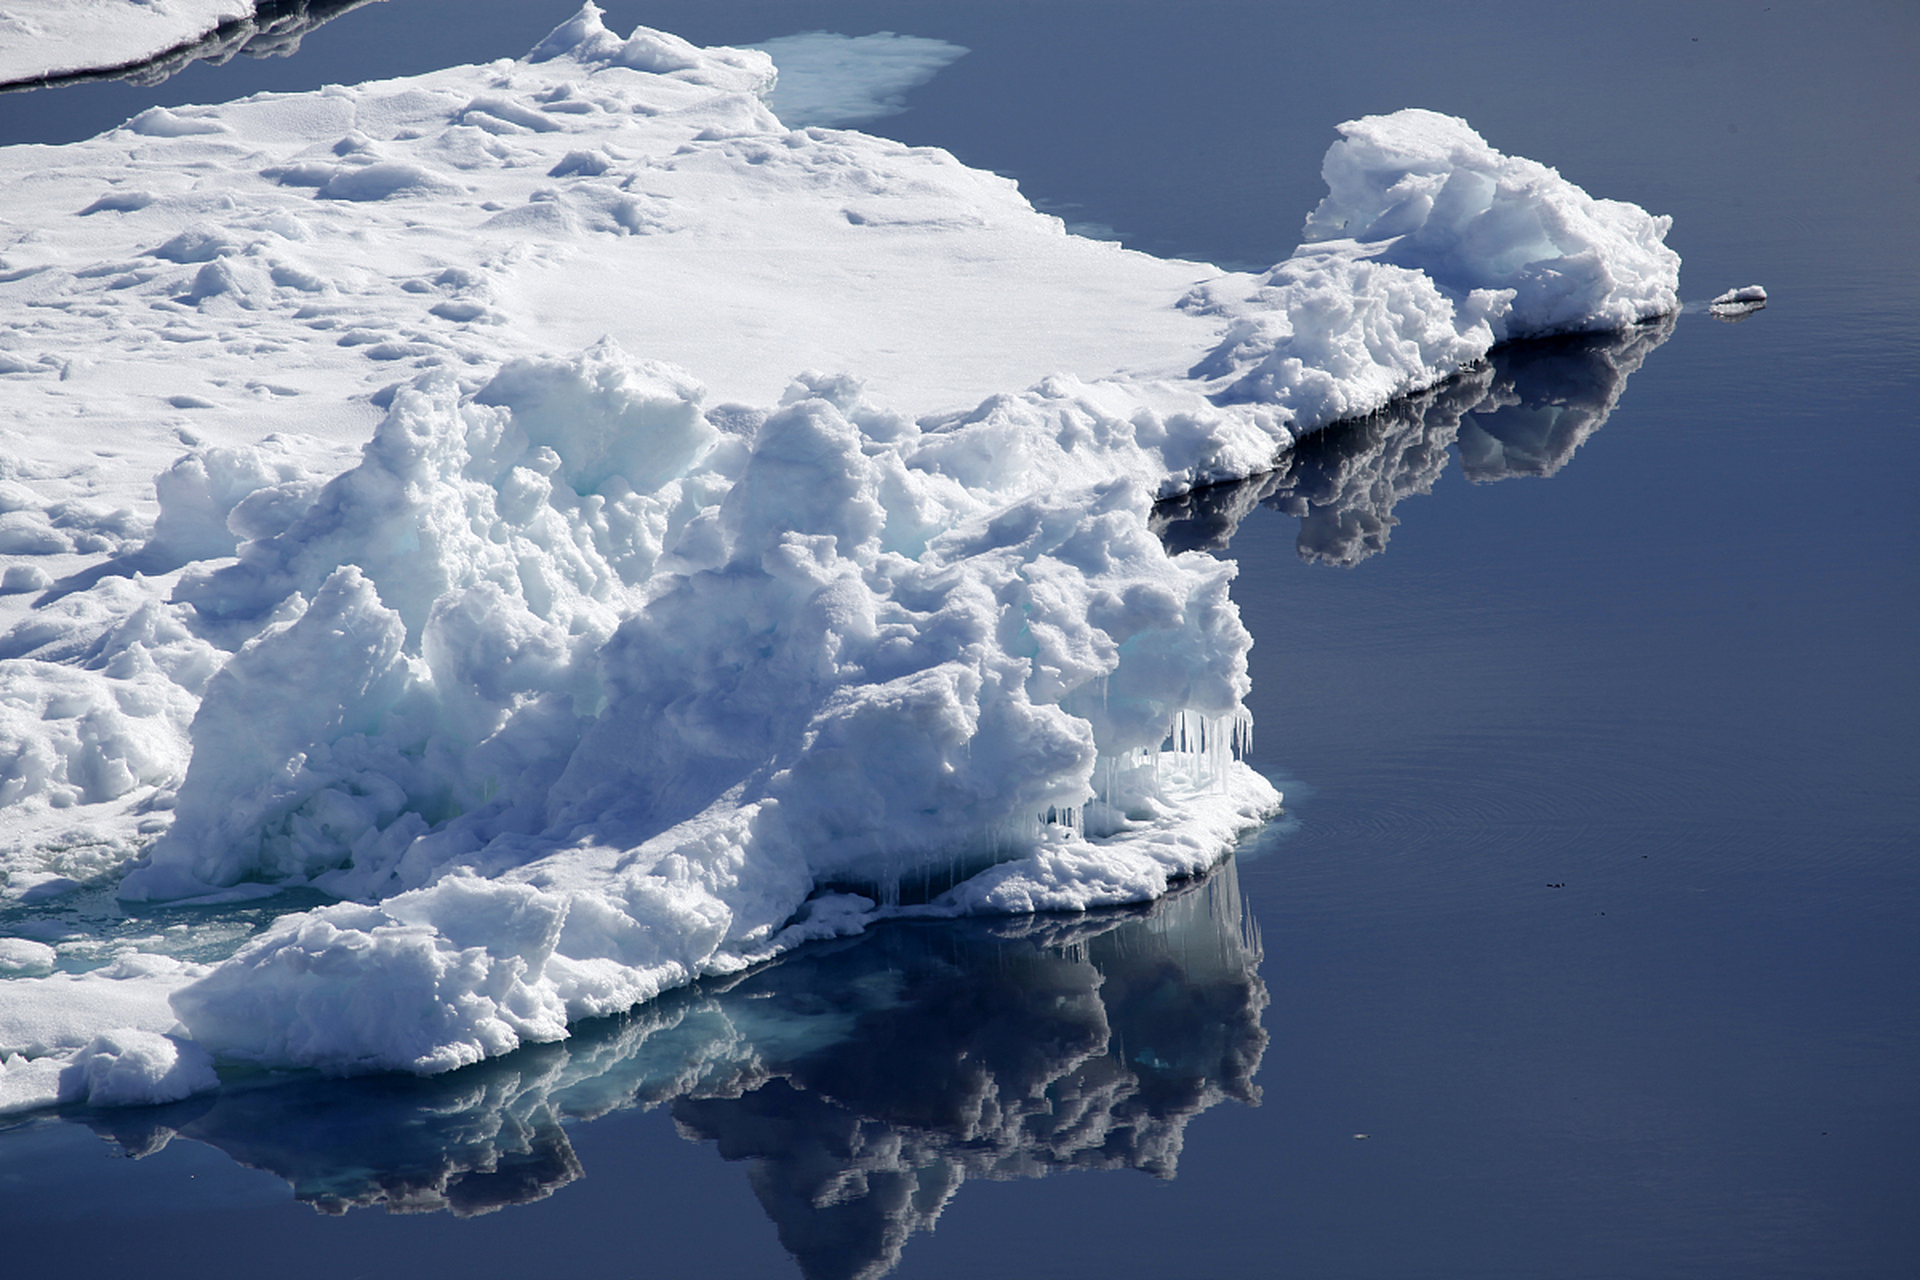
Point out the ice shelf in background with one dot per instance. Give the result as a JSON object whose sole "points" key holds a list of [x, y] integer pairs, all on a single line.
{"points": [[57, 42], [747, 537], [50, 38]]}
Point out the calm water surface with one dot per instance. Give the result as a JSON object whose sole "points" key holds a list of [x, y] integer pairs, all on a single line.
{"points": [[1591, 680]]}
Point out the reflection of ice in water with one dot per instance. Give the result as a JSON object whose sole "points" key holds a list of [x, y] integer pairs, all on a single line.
{"points": [[1523, 413], [865, 1080]]}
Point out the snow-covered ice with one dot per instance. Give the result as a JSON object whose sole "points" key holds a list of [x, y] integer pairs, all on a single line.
{"points": [[145, 41], [605, 536], [58, 39], [1522, 413], [1738, 304], [1008, 1047]]}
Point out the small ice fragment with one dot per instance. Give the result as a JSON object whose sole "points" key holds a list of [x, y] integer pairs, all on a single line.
{"points": [[1738, 304]]}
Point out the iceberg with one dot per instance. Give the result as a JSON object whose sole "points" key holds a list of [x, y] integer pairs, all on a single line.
{"points": [[621, 538]]}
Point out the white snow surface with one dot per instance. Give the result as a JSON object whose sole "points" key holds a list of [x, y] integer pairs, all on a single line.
{"points": [[58, 37], [526, 584]]}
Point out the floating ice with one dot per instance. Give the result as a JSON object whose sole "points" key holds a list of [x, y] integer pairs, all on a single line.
{"points": [[1522, 413], [1423, 190], [124, 1068], [632, 647], [53, 37], [146, 41], [1429, 247], [1738, 304], [1010, 1047]]}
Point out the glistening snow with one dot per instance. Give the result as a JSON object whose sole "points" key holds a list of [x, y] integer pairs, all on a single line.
{"points": [[595, 673]]}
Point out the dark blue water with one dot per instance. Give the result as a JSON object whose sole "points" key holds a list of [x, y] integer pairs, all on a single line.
{"points": [[1596, 906]]}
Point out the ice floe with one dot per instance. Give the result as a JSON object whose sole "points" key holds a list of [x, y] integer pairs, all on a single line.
{"points": [[1737, 304], [604, 536], [145, 41]]}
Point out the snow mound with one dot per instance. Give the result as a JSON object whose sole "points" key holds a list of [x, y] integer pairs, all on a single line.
{"points": [[22, 957], [123, 1068], [1429, 248], [1424, 190], [583, 739], [105, 1038]]}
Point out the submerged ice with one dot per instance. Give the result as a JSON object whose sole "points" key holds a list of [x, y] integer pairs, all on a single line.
{"points": [[593, 673]]}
